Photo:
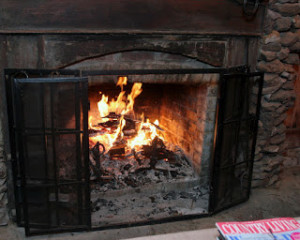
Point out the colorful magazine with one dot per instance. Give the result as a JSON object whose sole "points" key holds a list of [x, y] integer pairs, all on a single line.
{"points": [[268, 229]]}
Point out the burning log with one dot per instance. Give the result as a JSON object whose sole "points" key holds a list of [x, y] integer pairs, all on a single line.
{"points": [[109, 124], [158, 127], [157, 143], [130, 125], [130, 132], [113, 115], [130, 120], [115, 118], [117, 151]]}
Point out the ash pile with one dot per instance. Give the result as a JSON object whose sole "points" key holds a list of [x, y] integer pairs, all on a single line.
{"points": [[124, 167]]}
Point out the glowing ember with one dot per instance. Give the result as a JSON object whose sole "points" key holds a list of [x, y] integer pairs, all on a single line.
{"points": [[113, 117]]}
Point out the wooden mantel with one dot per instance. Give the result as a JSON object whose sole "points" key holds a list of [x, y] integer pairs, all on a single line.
{"points": [[128, 16]]}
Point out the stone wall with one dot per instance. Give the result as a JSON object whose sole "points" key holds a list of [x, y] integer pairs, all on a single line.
{"points": [[279, 59], [3, 187]]}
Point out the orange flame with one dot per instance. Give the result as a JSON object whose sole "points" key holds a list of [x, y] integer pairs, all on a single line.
{"points": [[90, 122], [146, 131], [135, 91], [122, 81]]}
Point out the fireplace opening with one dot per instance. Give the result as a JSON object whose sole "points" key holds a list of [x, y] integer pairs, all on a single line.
{"points": [[146, 145], [96, 149]]}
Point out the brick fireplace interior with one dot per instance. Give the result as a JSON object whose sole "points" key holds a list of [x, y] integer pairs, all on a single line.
{"points": [[193, 69], [146, 180]]}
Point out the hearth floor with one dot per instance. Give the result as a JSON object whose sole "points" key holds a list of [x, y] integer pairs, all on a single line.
{"points": [[149, 202], [280, 200]]}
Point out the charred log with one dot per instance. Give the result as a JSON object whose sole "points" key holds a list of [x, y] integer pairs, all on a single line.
{"points": [[109, 124], [130, 121], [117, 151]]}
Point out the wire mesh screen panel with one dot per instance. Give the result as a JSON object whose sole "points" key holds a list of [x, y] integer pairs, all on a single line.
{"points": [[52, 151], [10, 75], [239, 105]]}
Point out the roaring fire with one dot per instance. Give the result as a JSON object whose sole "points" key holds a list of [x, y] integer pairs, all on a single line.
{"points": [[116, 106], [146, 133], [113, 117]]}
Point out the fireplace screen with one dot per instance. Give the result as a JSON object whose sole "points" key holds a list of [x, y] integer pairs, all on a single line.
{"points": [[125, 147], [52, 150], [240, 96]]}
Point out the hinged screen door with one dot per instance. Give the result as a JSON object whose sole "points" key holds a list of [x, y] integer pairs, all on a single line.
{"points": [[239, 104], [52, 151]]}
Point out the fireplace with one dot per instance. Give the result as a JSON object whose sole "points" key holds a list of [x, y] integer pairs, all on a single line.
{"points": [[96, 146], [185, 148]]}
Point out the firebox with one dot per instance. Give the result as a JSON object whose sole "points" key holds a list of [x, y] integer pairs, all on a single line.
{"points": [[96, 149]]}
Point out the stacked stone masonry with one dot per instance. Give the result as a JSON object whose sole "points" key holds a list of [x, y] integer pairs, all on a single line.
{"points": [[279, 59], [3, 186]]}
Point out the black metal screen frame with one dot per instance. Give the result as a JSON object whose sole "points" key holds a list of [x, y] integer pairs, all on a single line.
{"points": [[83, 209], [220, 122], [9, 75]]}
